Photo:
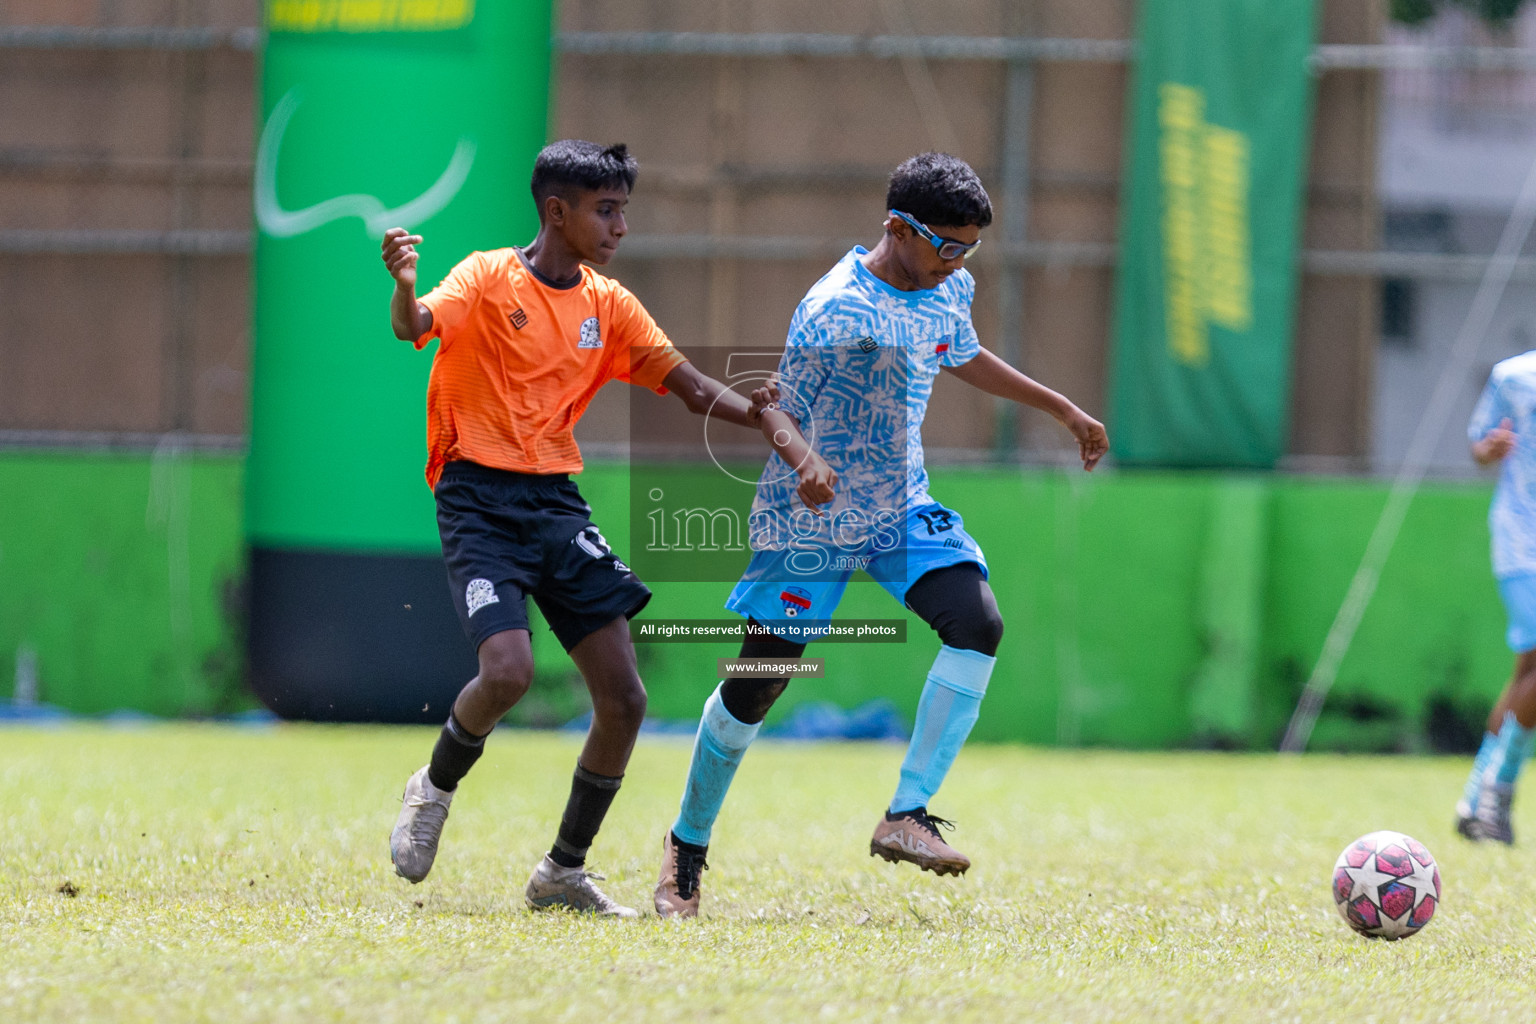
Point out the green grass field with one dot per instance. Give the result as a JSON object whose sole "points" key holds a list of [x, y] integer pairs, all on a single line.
{"points": [[228, 874]]}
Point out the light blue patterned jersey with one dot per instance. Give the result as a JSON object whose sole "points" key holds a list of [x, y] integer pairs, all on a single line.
{"points": [[857, 372], [1511, 394]]}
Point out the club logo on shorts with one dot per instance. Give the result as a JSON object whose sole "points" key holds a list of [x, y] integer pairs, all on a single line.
{"points": [[480, 593], [796, 600], [591, 336]]}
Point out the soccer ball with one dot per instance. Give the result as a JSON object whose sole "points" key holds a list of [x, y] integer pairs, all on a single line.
{"points": [[1386, 885]]}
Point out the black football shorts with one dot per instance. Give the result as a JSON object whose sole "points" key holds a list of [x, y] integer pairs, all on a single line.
{"points": [[510, 536]]}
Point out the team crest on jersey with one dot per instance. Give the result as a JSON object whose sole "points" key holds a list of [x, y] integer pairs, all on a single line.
{"points": [[796, 600], [480, 593], [591, 336]]}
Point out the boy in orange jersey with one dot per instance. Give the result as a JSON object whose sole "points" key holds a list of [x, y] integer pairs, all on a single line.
{"points": [[527, 337]]}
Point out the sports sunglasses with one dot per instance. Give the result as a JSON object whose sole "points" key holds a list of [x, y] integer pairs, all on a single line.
{"points": [[948, 248]]}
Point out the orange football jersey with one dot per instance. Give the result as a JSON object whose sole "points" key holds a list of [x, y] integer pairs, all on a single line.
{"points": [[521, 358]]}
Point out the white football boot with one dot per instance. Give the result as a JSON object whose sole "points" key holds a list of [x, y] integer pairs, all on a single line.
{"points": [[572, 888], [413, 843]]}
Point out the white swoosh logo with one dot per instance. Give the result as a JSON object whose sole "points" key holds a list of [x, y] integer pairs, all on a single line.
{"points": [[281, 223]]}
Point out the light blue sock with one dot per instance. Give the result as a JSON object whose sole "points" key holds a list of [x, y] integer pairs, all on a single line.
{"points": [[1510, 752], [946, 711], [717, 750], [1479, 766]]}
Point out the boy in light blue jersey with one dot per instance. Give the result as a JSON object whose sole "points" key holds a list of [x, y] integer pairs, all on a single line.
{"points": [[1501, 426], [863, 350]]}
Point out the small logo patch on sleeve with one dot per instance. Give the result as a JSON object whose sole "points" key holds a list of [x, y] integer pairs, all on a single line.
{"points": [[480, 593]]}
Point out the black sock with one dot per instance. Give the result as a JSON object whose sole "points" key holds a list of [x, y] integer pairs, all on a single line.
{"points": [[584, 812], [688, 847], [456, 752]]}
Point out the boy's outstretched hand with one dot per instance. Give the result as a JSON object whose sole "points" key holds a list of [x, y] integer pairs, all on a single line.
{"points": [[400, 255], [765, 397], [818, 482], [1496, 444], [1092, 441]]}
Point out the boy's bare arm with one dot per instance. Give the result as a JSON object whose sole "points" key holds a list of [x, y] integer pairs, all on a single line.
{"points": [[409, 318], [1496, 444], [705, 396], [818, 481], [988, 373]]}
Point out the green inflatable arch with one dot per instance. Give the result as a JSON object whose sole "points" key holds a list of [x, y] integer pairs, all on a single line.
{"points": [[421, 113]]}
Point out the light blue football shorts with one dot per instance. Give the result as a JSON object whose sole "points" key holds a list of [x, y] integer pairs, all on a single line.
{"points": [[802, 584], [1519, 594]]}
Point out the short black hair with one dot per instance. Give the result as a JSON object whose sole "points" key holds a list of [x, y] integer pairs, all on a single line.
{"points": [[572, 165], [937, 188]]}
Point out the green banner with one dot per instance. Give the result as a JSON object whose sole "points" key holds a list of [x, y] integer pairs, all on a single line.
{"points": [[421, 113], [1210, 213]]}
